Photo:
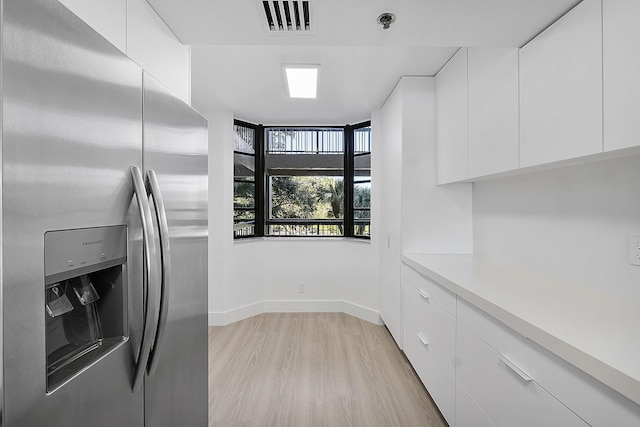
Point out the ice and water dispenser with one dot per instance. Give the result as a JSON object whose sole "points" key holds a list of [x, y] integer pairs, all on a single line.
{"points": [[85, 298]]}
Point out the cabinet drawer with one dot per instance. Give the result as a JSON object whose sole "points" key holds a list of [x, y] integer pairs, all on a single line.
{"points": [[507, 395], [468, 413], [439, 381], [443, 297], [595, 402], [431, 323]]}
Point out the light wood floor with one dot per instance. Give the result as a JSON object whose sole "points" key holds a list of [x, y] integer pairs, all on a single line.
{"points": [[312, 369]]}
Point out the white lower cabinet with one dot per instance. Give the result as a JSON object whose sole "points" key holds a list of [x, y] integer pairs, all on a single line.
{"points": [[507, 394], [482, 373], [429, 344], [468, 413], [596, 403]]}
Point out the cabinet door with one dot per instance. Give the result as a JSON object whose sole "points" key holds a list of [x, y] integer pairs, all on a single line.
{"points": [[452, 150], [468, 413], [493, 110], [561, 89], [429, 344], [434, 325], [390, 179], [506, 394], [621, 70], [109, 18], [593, 401]]}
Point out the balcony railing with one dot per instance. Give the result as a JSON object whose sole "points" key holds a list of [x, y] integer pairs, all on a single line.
{"points": [[244, 229], [305, 227], [305, 141]]}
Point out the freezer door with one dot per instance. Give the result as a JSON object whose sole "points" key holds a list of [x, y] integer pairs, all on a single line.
{"points": [[72, 127], [175, 148]]}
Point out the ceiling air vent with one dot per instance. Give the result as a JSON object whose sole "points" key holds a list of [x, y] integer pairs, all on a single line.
{"points": [[287, 16]]}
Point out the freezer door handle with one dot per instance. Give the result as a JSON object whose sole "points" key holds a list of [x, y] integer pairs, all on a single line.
{"points": [[150, 277], [165, 256]]}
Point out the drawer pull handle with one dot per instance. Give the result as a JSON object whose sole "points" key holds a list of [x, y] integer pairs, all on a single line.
{"points": [[423, 294], [422, 339], [515, 369]]}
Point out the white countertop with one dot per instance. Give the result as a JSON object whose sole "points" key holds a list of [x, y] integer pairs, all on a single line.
{"points": [[597, 332]]}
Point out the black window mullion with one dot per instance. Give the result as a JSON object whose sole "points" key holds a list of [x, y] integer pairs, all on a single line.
{"points": [[348, 180], [260, 181]]}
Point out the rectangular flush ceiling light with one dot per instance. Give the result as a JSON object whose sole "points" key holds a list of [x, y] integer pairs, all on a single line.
{"points": [[302, 80]]}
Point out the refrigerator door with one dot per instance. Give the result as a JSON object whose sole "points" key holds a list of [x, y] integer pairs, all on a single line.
{"points": [[175, 148], [71, 128]]}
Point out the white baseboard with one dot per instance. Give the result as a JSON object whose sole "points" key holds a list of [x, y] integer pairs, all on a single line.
{"points": [[235, 315], [293, 306], [363, 313]]}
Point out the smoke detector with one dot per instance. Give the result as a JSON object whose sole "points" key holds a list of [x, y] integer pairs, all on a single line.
{"points": [[386, 19]]}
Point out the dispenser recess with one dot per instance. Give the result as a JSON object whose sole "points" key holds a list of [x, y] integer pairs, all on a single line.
{"points": [[85, 299]]}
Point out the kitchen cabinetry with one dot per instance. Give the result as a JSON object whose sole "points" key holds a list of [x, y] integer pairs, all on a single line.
{"points": [[596, 403], [561, 89], [496, 375], [477, 114], [417, 215], [506, 393], [621, 67], [451, 120], [136, 29], [493, 110], [429, 341], [468, 413]]}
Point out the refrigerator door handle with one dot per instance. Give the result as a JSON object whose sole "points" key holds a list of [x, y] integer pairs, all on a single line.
{"points": [[150, 277], [165, 255]]}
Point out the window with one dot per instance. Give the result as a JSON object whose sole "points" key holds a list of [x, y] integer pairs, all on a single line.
{"points": [[362, 181], [244, 180], [304, 170], [312, 181]]}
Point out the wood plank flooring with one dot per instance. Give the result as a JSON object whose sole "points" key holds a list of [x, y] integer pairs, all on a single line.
{"points": [[312, 369]]}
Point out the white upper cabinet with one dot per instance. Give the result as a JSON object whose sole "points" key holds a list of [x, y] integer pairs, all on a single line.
{"points": [[621, 73], [156, 49], [477, 114], [561, 88], [493, 110], [109, 18], [452, 149]]}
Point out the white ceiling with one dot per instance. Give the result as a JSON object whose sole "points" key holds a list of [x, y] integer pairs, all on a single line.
{"points": [[237, 64]]}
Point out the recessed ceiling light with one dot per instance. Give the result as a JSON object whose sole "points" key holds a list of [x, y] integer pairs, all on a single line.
{"points": [[302, 80]]}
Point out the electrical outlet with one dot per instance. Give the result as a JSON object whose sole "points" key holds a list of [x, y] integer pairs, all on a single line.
{"points": [[301, 288], [634, 250]]}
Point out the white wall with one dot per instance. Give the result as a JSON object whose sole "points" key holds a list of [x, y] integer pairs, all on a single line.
{"points": [[572, 223], [252, 276], [134, 28]]}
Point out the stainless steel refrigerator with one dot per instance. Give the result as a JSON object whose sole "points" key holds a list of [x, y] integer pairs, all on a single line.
{"points": [[103, 233]]}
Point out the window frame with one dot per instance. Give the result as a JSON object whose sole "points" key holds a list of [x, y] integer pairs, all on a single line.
{"points": [[350, 176], [258, 194], [262, 200]]}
